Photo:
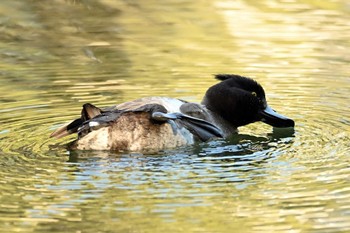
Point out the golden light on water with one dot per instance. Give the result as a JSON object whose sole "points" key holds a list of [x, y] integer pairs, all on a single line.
{"points": [[56, 56]]}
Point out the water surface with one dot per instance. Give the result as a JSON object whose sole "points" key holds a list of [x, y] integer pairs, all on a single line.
{"points": [[56, 56]]}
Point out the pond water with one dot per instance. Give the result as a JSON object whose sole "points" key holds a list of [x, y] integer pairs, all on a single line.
{"points": [[57, 55]]}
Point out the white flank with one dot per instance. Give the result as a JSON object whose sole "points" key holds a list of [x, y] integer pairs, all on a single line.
{"points": [[171, 104], [93, 124]]}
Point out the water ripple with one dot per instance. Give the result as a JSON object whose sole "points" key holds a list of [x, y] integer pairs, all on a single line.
{"points": [[262, 179]]}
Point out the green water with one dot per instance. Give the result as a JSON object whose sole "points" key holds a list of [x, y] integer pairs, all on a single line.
{"points": [[57, 55]]}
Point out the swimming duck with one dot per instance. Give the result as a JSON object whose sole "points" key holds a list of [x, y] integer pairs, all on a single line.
{"points": [[156, 123]]}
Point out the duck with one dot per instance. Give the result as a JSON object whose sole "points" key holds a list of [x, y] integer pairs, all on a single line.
{"points": [[152, 124]]}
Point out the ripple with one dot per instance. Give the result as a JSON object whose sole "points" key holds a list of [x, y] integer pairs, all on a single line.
{"points": [[262, 179]]}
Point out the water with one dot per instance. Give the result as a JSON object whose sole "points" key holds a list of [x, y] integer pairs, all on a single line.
{"points": [[56, 56]]}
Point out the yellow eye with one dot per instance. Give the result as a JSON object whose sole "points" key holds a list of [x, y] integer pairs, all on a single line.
{"points": [[254, 94]]}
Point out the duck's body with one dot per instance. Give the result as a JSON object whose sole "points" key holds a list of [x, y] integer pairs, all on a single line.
{"points": [[134, 131], [156, 123]]}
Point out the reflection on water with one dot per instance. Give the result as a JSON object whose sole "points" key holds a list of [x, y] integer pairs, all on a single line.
{"points": [[56, 56]]}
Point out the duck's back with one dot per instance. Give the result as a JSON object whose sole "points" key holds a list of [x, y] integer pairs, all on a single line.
{"points": [[170, 104]]}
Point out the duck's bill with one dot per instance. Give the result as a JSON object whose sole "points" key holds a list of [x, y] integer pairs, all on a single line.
{"points": [[271, 117]]}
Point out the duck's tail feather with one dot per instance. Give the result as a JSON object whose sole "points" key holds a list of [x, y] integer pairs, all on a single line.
{"points": [[88, 112], [67, 129], [100, 120]]}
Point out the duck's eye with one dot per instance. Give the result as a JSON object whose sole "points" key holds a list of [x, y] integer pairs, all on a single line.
{"points": [[254, 94]]}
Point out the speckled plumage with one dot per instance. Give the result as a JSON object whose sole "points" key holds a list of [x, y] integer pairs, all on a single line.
{"points": [[134, 132]]}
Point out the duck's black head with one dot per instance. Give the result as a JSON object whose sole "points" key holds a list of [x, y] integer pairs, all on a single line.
{"points": [[240, 101]]}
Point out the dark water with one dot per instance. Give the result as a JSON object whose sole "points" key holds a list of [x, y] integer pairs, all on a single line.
{"points": [[57, 55]]}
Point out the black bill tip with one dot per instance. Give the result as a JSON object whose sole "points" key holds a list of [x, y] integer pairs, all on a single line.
{"points": [[271, 117]]}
